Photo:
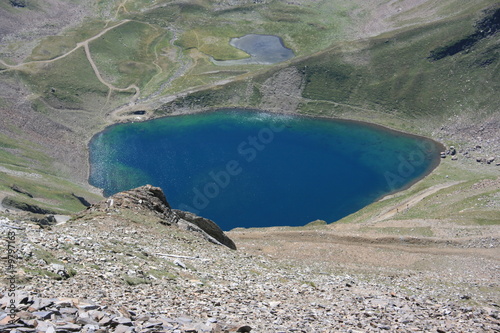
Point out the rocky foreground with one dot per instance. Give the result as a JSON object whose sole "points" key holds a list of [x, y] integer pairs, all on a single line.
{"points": [[131, 264]]}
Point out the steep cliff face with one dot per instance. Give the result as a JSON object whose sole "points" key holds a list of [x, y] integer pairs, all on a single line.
{"points": [[150, 201]]}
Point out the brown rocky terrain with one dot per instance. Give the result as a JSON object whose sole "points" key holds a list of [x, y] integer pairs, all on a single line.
{"points": [[44, 19], [130, 264]]}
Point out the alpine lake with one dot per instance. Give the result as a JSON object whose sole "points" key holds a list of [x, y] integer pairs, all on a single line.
{"points": [[248, 168]]}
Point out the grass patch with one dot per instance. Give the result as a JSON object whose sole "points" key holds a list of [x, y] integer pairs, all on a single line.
{"points": [[310, 283], [46, 255], [213, 41], [125, 55], [44, 272], [493, 220], [19, 153], [134, 281], [160, 274], [49, 193], [54, 46], [67, 83], [393, 73]]}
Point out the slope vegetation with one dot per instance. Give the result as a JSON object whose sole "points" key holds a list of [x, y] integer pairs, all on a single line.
{"points": [[408, 65]]}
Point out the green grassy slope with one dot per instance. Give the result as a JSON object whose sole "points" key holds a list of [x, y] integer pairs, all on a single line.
{"points": [[374, 62], [394, 73], [391, 74], [126, 55]]}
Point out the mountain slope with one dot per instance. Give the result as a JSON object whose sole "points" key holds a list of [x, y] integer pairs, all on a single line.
{"points": [[408, 65]]}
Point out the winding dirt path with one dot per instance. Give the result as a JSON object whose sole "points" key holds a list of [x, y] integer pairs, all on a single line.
{"points": [[110, 86], [85, 45], [411, 201]]}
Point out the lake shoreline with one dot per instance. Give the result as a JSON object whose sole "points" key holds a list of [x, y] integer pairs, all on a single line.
{"points": [[258, 55], [436, 146]]}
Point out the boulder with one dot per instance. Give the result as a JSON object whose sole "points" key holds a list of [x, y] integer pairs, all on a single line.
{"points": [[208, 226], [18, 3], [45, 220], [145, 198]]}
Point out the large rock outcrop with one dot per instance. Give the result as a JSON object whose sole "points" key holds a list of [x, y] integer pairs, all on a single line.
{"points": [[208, 226], [151, 200]]}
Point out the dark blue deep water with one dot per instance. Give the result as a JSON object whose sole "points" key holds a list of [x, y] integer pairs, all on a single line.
{"points": [[253, 169]]}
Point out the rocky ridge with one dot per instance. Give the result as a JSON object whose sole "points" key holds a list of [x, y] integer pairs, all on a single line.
{"points": [[152, 201], [127, 266]]}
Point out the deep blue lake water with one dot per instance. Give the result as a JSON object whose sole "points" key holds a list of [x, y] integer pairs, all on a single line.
{"points": [[253, 169]]}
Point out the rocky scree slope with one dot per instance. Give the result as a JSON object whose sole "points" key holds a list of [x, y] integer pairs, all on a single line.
{"points": [[126, 266]]}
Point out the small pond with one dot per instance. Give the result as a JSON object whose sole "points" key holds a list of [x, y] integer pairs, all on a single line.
{"points": [[263, 49], [254, 169]]}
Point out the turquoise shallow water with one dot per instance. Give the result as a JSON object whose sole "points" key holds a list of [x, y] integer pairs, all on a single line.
{"points": [[253, 169]]}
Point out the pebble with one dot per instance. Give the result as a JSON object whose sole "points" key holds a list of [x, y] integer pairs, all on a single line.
{"points": [[117, 288]]}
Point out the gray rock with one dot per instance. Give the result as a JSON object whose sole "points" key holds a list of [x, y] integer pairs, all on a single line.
{"points": [[85, 321], [96, 315], [42, 326], [41, 304], [122, 321], [180, 263], [43, 315], [90, 328], [69, 327], [184, 320], [87, 307], [123, 329], [198, 328], [208, 226], [105, 321], [147, 198], [152, 324], [45, 221], [63, 303], [68, 310]]}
